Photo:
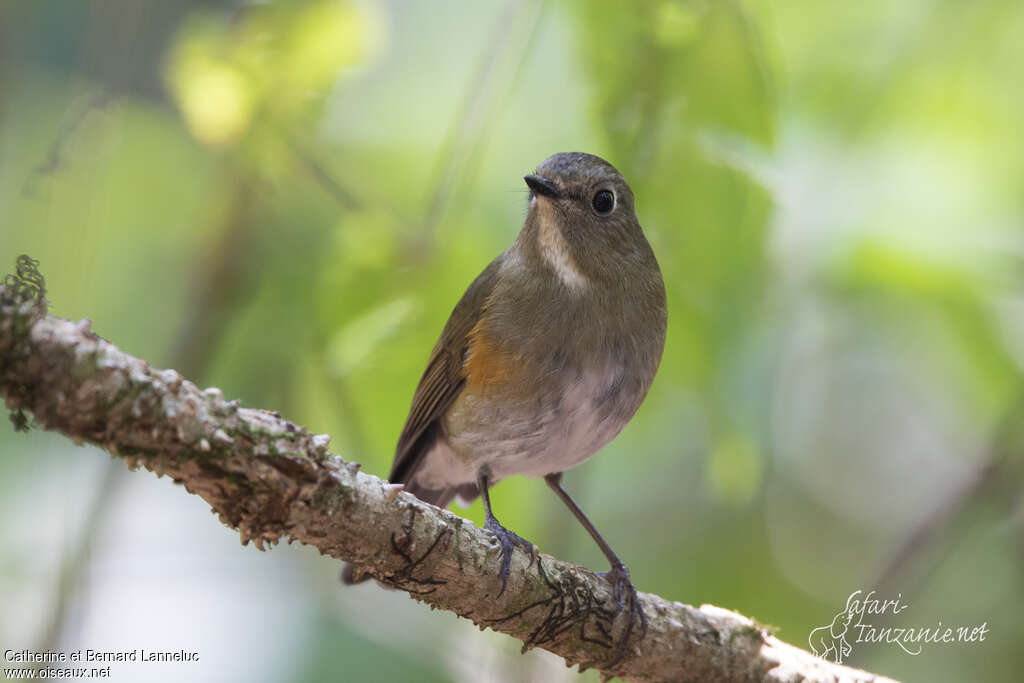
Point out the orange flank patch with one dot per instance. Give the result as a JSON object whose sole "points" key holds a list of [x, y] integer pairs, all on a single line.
{"points": [[486, 366]]}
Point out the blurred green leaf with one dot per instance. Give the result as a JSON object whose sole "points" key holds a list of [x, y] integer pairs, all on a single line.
{"points": [[357, 342]]}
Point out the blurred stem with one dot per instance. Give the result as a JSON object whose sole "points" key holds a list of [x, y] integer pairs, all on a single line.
{"points": [[352, 424], [468, 126], [345, 197], [534, 24], [73, 120], [753, 45], [217, 281], [74, 562], [974, 487]]}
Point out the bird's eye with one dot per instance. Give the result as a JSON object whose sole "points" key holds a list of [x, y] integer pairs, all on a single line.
{"points": [[603, 202]]}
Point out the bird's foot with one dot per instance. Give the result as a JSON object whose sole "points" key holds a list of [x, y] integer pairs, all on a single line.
{"points": [[507, 540], [624, 592]]}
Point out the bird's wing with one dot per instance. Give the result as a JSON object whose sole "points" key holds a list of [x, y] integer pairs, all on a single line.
{"points": [[443, 379]]}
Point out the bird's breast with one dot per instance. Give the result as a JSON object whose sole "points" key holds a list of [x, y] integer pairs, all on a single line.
{"points": [[552, 374], [539, 410]]}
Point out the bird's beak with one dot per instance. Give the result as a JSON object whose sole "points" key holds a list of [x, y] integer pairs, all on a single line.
{"points": [[542, 186]]}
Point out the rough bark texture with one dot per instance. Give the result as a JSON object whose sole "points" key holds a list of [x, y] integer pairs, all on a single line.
{"points": [[271, 479]]}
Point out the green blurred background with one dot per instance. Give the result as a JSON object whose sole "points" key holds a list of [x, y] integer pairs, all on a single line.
{"points": [[285, 200]]}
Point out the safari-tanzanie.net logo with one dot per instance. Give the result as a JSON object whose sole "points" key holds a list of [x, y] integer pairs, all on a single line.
{"points": [[855, 625]]}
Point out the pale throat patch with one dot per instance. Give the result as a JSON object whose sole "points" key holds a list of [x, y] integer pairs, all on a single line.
{"points": [[555, 249]]}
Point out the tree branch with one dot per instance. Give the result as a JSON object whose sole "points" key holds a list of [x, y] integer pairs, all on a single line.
{"points": [[271, 479]]}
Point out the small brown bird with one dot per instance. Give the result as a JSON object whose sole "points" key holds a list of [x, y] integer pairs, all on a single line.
{"points": [[547, 356]]}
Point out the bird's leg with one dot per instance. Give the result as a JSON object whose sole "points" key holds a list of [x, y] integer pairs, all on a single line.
{"points": [[618, 576], [506, 538]]}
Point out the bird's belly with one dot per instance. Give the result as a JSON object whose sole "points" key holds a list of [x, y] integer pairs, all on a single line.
{"points": [[550, 432]]}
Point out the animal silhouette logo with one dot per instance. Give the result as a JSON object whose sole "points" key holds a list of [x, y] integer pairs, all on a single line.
{"points": [[829, 642]]}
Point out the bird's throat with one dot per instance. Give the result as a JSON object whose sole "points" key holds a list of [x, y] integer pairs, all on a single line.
{"points": [[554, 248]]}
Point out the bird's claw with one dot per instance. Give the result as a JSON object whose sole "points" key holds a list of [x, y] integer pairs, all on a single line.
{"points": [[507, 540], [622, 588]]}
